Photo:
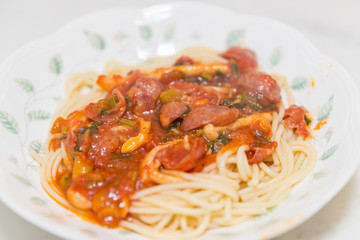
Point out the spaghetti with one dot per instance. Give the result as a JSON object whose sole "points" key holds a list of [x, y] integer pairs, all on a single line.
{"points": [[174, 152]]}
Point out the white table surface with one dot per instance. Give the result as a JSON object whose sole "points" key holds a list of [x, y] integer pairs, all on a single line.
{"points": [[333, 26]]}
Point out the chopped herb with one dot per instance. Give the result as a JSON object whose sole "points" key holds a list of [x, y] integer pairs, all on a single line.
{"points": [[223, 139], [64, 130], [117, 181], [169, 137], [234, 68], [134, 176], [174, 125], [199, 133], [171, 95], [64, 181], [187, 111], [128, 102], [261, 139], [90, 184], [272, 107], [106, 106], [180, 63], [215, 146], [237, 105], [206, 75], [211, 145], [219, 73], [156, 119], [112, 101], [93, 129], [127, 122], [136, 129], [226, 101], [166, 138], [63, 137], [241, 96], [196, 80], [120, 156], [218, 143], [77, 148], [104, 112], [307, 120], [254, 104]]}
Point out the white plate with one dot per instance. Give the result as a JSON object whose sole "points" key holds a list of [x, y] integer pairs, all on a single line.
{"points": [[31, 85]]}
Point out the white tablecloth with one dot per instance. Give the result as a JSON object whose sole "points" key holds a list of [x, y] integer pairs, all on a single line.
{"points": [[332, 25]]}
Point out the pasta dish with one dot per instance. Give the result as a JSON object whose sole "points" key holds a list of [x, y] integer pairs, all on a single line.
{"points": [[177, 146]]}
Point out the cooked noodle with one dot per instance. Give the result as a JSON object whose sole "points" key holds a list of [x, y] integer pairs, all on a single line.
{"points": [[227, 192]]}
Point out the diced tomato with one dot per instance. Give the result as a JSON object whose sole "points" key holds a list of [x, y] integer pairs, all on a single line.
{"points": [[245, 58], [54, 144], [206, 114], [185, 87], [262, 83], [144, 93], [103, 144], [184, 60], [295, 118], [208, 96], [58, 125], [179, 157], [169, 77], [171, 111], [109, 82], [110, 108]]}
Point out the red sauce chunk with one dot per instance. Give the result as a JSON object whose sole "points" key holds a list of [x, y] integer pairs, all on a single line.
{"points": [[295, 118], [182, 156], [208, 114], [245, 58], [106, 144], [184, 60], [257, 137]]}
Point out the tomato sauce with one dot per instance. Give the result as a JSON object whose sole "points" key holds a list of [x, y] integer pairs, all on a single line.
{"points": [[106, 142]]}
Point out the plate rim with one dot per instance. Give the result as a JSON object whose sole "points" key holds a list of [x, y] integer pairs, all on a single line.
{"points": [[62, 31]]}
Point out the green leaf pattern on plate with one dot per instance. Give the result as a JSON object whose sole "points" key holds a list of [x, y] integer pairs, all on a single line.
{"points": [[22, 180], [37, 201], [57, 99], [36, 168], [195, 35], [38, 115], [145, 32], [55, 65], [270, 210], [235, 37], [224, 234], [95, 40], [120, 36], [123, 231], [276, 56], [319, 175], [328, 134], [25, 85], [35, 146], [13, 160], [169, 33], [329, 152], [9, 122], [326, 109], [300, 83]]}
